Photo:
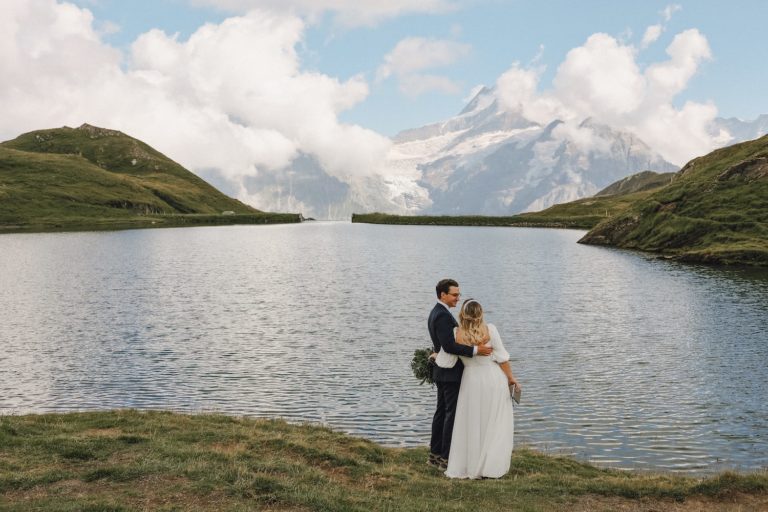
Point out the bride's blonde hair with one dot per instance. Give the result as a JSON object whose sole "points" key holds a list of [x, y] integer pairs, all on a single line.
{"points": [[474, 331]]}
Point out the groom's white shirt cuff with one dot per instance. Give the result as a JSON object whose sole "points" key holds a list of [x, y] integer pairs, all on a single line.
{"points": [[474, 349]]}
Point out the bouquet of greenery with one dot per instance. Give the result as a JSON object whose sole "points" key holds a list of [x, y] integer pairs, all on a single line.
{"points": [[422, 365]]}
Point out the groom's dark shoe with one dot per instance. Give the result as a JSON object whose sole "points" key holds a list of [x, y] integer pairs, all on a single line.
{"points": [[443, 464], [434, 460]]}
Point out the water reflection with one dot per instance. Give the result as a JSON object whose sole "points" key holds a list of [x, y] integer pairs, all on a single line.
{"points": [[627, 360]]}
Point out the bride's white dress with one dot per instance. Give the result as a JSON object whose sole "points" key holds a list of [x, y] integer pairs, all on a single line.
{"points": [[484, 427]]}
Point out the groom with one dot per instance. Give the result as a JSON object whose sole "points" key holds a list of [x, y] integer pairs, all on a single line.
{"points": [[448, 380]]}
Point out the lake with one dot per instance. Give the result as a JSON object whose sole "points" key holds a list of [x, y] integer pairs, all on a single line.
{"points": [[626, 360]]}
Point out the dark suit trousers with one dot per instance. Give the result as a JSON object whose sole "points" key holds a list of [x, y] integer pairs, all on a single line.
{"points": [[442, 422]]}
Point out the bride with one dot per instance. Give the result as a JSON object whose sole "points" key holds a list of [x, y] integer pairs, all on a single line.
{"points": [[484, 427]]}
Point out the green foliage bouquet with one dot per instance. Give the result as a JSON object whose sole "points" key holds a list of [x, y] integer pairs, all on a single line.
{"points": [[422, 365]]}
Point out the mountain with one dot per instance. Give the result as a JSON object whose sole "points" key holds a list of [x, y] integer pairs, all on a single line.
{"points": [[715, 210], [483, 161], [306, 187], [492, 162], [88, 175], [583, 213], [742, 130]]}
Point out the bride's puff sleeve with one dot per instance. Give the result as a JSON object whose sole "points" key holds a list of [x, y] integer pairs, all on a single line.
{"points": [[499, 354]]}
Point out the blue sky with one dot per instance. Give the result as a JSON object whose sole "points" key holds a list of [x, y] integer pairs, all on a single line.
{"points": [[497, 33]]}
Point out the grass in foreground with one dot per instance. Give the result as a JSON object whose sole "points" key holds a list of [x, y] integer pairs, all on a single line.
{"points": [[130, 460]]}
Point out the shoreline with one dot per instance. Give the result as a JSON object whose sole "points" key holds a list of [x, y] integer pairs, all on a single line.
{"points": [[721, 256], [129, 459], [148, 222], [522, 221]]}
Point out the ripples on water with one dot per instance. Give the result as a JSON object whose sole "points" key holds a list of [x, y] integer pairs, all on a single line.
{"points": [[626, 360]]}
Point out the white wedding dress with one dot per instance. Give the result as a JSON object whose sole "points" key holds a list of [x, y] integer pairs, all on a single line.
{"points": [[484, 427]]}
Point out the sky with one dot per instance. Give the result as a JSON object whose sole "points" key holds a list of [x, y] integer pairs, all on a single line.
{"points": [[245, 86]]}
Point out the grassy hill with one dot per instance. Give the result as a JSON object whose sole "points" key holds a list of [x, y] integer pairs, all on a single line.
{"points": [[715, 210], [130, 460], [88, 177], [470, 220], [642, 181]]}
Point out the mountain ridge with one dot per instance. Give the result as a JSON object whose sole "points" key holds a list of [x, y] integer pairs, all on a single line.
{"points": [[485, 160], [496, 162]]}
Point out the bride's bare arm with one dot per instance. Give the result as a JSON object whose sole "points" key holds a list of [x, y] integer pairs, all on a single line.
{"points": [[507, 369]]}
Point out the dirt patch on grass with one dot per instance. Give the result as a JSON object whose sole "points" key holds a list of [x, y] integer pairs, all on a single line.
{"points": [[148, 493], [111, 433], [737, 503], [228, 448]]}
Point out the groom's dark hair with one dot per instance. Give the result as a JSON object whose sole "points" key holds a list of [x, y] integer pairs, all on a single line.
{"points": [[444, 285]]}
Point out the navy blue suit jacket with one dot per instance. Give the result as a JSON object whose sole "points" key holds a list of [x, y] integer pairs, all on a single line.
{"points": [[440, 325]]}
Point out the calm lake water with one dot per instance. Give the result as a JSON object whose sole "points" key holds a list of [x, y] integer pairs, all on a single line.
{"points": [[626, 361]]}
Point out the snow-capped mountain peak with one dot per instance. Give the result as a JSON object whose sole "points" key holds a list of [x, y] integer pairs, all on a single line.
{"points": [[485, 160]]}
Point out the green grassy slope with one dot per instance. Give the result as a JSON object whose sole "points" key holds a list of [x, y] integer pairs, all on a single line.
{"points": [[588, 212], [130, 460], [93, 177], [715, 210], [645, 180], [470, 220]]}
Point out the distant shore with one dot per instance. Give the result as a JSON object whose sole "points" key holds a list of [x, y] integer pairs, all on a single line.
{"points": [[522, 220], [153, 460], [45, 225]]}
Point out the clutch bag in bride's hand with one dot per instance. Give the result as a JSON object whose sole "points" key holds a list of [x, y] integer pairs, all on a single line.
{"points": [[515, 392]]}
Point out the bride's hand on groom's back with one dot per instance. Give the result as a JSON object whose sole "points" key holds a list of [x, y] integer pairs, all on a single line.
{"points": [[484, 350]]}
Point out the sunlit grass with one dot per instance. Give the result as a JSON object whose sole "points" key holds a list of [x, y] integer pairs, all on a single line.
{"points": [[130, 460], [715, 211]]}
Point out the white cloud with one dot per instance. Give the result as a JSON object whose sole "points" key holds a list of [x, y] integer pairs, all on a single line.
{"points": [[232, 97], [653, 32], [583, 137], [348, 12], [687, 51], [517, 91], [651, 35], [670, 10], [414, 54], [602, 80]]}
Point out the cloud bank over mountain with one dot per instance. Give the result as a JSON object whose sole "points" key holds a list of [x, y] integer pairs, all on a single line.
{"points": [[603, 80], [234, 103], [413, 55]]}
